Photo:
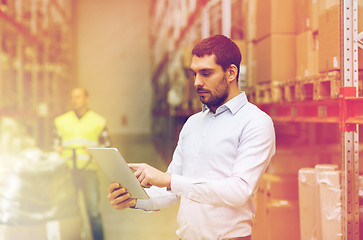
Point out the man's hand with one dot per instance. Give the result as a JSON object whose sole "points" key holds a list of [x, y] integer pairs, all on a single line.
{"points": [[119, 197], [149, 176]]}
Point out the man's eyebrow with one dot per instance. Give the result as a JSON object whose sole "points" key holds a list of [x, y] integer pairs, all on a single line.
{"points": [[201, 70], [205, 69]]}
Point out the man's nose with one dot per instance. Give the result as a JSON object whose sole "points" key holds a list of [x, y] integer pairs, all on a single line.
{"points": [[197, 81]]}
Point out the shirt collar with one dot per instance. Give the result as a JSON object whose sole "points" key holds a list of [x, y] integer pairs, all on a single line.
{"points": [[234, 105]]}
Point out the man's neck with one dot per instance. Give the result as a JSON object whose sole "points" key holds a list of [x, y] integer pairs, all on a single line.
{"points": [[81, 112], [233, 94]]}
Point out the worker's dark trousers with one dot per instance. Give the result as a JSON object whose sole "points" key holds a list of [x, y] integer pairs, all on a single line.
{"points": [[90, 186]]}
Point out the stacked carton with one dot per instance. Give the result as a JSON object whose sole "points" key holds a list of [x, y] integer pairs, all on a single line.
{"points": [[250, 51], [329, 39], [275, 38], [329, 36], [277, 212], [290, 41], [318, 37], [307, 39]]}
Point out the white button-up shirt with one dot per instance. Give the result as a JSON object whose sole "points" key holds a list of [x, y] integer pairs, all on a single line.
{"points": [[217, 165]]}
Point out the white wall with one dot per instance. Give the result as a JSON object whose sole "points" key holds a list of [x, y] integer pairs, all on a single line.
{"points": [[113, 61]]}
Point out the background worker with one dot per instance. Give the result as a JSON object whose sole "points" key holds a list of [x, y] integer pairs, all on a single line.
{"points": [[76, 131], [220, 157]]}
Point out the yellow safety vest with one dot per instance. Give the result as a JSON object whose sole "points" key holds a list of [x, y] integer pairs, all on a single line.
{"points": [[79, 134]]}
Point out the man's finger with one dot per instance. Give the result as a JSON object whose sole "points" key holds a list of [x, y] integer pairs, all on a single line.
{"points": [[145, 183], [137, 173], [116, 193], [113, 187], [134, 166], [120, 198], [141, 177], [126, 204]]}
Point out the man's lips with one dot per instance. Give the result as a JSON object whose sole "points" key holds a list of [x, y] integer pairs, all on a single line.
{"points": [[202, 92]]}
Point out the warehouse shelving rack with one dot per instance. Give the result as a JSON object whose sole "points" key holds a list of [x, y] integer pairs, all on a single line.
{"points": [[36, 68], [339, 104], [176, 27], [347, 111]]}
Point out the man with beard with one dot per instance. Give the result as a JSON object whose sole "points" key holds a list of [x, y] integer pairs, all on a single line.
{"points": [[220, 158]]}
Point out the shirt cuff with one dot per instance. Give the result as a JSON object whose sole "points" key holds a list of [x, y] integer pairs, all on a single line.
{"points": [[138, 204], [180, 184], [142, 204]]}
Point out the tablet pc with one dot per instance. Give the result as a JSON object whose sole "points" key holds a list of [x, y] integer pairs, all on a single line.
{"points": [[116, 169]]}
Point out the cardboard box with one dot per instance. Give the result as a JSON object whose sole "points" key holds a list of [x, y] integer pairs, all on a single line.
{"points": [[314, 15], [326, 4], [280, 186], [277, 212], [303, 15], [283, 220], [275, 17], [277, 219], [251, 20], [306, 55], [63, 229], [187, 56], [307, 12], [276, 58], [329, 38], [242, 81], [251, 64], [259, 230], [242, 45], [360, 29]]}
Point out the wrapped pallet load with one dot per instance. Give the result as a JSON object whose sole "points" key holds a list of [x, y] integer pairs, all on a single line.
{"points": [[308, 203], [361, 204], [37, 197], [330, 204], [319, 202]]}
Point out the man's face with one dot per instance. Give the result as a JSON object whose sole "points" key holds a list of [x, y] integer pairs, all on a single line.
{"points": [[210, 81], [79, 99]]}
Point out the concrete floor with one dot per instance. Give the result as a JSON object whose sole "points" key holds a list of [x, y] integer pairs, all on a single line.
{"points": [[130, 224]]}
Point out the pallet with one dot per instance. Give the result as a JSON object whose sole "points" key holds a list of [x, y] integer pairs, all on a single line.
{"points": [[320, 87], [323, 86]]}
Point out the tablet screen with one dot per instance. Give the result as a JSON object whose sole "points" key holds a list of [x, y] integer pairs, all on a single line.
{"points": [[116, 170]]}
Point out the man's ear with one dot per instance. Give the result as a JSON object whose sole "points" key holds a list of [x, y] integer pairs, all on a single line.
{"points": [[232, 72]]}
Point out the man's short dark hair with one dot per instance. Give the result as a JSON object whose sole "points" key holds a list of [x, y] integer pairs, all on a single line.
{"points": [[225, 50]]}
